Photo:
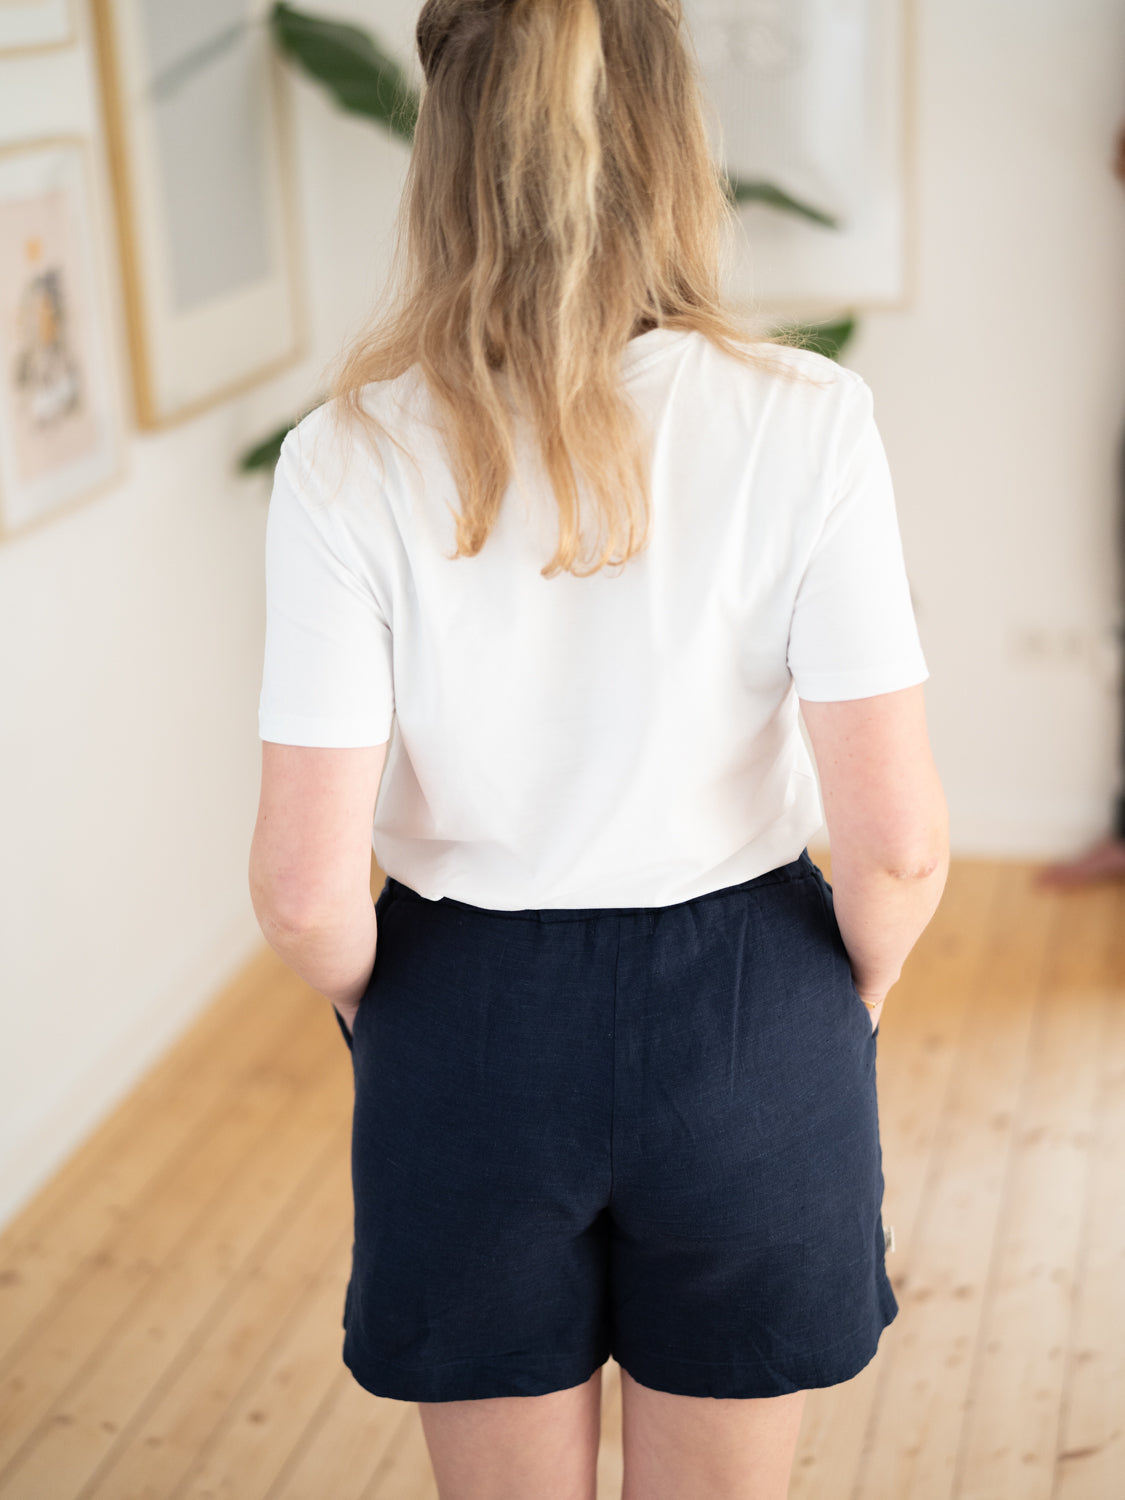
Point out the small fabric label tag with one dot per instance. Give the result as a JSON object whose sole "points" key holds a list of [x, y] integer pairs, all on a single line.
{"points": [[888, 1238]]}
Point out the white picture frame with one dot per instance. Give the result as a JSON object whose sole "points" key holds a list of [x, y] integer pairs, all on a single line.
{"points": [[61, 435], [815, 97], [200, 153]]}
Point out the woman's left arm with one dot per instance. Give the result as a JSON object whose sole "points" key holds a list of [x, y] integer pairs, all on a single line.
{"points": [[310, 865]]}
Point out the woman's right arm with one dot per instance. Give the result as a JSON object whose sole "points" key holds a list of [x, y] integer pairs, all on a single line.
{"points": [[888, 825]]}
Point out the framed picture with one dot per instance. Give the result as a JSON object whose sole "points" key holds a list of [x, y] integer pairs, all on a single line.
{"points": [[32, 25], [200, 155], [813, 96], [60, 423]]}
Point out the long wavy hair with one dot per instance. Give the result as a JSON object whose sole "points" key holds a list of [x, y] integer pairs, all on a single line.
{"points": [[561, 197]]}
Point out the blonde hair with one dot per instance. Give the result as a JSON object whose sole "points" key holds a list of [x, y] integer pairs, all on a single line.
{"points": [[561, 196]]}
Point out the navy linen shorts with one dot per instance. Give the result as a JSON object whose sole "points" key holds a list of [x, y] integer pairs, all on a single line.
{"points": [[649, 1132]]}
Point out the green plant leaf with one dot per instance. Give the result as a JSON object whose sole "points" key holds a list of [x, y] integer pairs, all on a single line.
{"points": [[362, 78], [828, 339], [739, 191], [264, 455]]}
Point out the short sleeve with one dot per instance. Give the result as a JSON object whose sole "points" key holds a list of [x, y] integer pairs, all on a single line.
{"points": [[853, 633], [327, 675]]}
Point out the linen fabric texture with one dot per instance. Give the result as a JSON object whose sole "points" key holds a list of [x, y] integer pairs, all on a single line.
{"points": [[645, 1133]]}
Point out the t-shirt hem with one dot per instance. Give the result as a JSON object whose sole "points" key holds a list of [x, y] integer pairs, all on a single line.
{"points": [[325, 734], [836, 687]]}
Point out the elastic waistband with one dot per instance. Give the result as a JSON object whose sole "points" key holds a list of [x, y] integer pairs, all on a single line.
{"points": [[798, 869]]}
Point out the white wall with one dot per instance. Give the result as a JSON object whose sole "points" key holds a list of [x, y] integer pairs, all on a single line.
{"points": [[131, 628], [1001, 398], [130, 657]]}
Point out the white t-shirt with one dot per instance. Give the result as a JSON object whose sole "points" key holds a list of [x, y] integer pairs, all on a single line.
{"points": [[630, 738]]}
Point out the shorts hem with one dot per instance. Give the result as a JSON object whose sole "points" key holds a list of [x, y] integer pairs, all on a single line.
{"points": [[733, 1381], [473, 1379]]}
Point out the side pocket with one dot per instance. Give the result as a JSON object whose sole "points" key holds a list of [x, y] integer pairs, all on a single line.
{"points": [[382, 902], [344, 1032], [829, 909], [384, 897], [838, 943]]}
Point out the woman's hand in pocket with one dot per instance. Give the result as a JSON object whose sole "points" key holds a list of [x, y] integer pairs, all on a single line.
{"points": [[873, 999]]}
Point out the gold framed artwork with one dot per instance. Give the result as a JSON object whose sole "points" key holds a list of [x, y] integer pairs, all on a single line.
{"points": [[815, 96], [201, 161], [34, 25], [60, 423]]}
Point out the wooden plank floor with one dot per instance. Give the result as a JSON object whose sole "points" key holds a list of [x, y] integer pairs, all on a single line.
{"points": [[170, 1303]]}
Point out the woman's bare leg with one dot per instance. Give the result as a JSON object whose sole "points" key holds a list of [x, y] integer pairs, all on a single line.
{"points": [[517, 1447], [707, 1448]]}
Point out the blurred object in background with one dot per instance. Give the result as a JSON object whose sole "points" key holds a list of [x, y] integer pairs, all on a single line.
{"points": [[1105, 860]]}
